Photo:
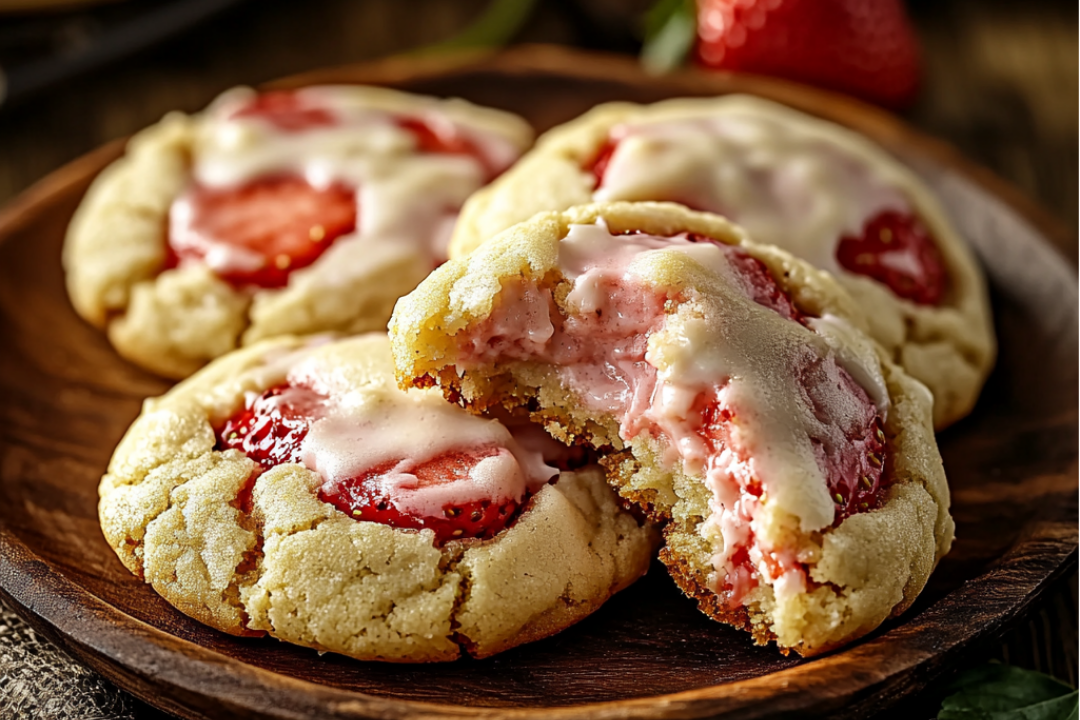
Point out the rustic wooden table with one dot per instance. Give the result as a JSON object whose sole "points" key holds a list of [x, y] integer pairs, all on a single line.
{"points": [[1000, 84]]}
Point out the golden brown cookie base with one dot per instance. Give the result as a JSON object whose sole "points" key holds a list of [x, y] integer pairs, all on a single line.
{"points": [[173, 321], [269, 556]]}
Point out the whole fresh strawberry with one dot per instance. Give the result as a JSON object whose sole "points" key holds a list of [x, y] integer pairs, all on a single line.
{"points": [[863, 47]]}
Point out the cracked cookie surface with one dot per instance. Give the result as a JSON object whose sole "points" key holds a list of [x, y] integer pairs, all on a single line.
{"points": [[813, 188], [254, 550], [290, 212]]}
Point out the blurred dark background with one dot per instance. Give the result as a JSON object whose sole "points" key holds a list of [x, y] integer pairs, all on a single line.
{"points": [[1000, 78], [1000, 83]]}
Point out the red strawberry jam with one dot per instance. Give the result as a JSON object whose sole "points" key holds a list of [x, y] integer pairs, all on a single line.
{"points": [[271, 429], [896, 249], [286, 110], [275, 224]]}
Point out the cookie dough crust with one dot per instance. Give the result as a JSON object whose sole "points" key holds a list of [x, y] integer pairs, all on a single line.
{"points": [[173, 321], [949, 348], [270, 557], [858, 578]]}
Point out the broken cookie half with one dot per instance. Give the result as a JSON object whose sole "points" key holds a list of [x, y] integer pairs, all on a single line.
{"points": [[291, 489], [732, 392]]}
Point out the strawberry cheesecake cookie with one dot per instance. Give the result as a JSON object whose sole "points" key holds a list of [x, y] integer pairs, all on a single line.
{"points": [[290, 489], [731, 392], [819, 191], [285, 212]]}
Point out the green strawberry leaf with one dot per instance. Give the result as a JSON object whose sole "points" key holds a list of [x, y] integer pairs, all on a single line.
{"points": [[1001, 692], [670, 29], [496, 26]]}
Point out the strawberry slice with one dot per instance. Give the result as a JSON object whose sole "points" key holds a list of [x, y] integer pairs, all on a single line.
{"points": [[599, 164], [862, 486], [896, 249], [277, 224], [271, 428], [363, 499], [863, 47], [444, 138], [288, 111], [285, 110], [854, 473], [759, 282], [429, 139]]}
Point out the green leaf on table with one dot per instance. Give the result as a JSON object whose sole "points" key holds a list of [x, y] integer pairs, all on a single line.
{"points": [[1002, 692], [670, 29], [496, 26]]}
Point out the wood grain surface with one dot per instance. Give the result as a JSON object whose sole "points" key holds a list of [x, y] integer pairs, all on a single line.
{"points": [[65, 399]]}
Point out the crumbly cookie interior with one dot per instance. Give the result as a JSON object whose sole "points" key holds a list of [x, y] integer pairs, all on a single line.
{"points": [[854, 578]]}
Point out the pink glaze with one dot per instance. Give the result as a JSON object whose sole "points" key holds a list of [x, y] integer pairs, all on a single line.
{"points": [[276, 178], [599, 348], [287, 111], [815, 194], [462, 477]]}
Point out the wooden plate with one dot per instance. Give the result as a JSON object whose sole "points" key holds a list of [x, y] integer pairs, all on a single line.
{"points": [[66, 398]]}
